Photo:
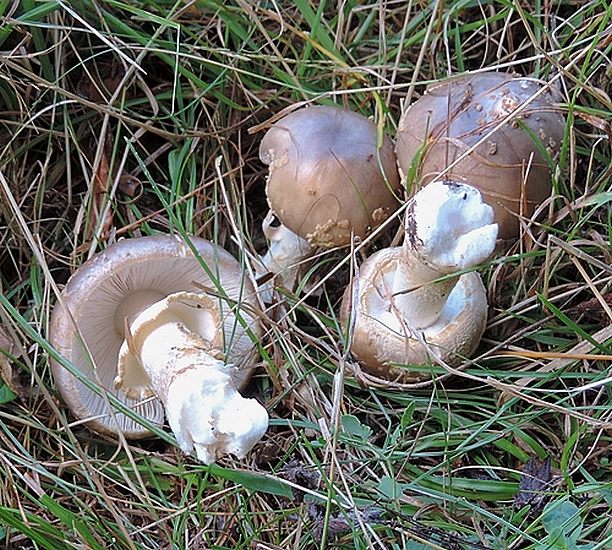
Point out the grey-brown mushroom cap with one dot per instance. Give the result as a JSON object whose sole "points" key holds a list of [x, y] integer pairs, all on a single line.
{"points": [[509, 167], [145, 269], [381, 338], [328, 178]]}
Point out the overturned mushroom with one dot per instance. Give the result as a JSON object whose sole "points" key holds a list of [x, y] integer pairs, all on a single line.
{"points": [[406, 306], [329, 179], [511, 165], [147, 319]]}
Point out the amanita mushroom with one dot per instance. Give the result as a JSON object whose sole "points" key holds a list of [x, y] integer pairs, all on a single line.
{"points": [[161, 327], [329, 179], [406, 307], [511, 164]]}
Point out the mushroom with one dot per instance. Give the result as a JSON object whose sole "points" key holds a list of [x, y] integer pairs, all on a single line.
{"points": [[408, 305], [331, 177], [161, 323], [516, 126]]}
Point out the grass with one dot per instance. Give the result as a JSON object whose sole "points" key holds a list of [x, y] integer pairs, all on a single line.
{"points": [[123, 119]]}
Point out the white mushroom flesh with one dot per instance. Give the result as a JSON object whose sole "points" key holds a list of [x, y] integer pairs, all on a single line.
{"points": [[448, 229], [285, 256], [395, 319], [453, 227], [132, 305], [208, 415], [174, 349]]}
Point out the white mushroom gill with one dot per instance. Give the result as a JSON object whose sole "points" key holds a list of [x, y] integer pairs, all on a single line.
{"points": [[174, 349], [448, 229]]}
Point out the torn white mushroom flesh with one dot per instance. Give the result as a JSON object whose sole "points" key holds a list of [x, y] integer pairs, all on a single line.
{"points": [[174, 349], [448, 229], [285, 257]]}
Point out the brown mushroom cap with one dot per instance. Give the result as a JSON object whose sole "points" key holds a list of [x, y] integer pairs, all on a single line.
{"points": [[381, 337], [328, 178], [508, 167], [120, 282]]}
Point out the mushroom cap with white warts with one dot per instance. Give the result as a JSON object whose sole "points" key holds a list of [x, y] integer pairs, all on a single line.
{"points": [[328, 177], [509, 164], [116, 285], [382, 338]]}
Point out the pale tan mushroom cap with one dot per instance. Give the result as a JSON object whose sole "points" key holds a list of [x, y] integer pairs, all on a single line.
{"points": [[382, 340], [509, 167], [327, 176], [140, 271]]}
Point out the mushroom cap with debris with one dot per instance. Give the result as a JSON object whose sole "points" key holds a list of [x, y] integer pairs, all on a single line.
{"points": [[88, 322], [329, 176], [511, 165]]}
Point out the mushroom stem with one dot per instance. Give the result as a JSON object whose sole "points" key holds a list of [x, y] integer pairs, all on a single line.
{"points": [[177, 343], [448, 229], [285, 255], [416, 290]]}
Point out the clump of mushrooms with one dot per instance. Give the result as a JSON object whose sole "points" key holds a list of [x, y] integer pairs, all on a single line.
{"points": [[162, 325], [495, 131], [408, 305], [330, 178]]}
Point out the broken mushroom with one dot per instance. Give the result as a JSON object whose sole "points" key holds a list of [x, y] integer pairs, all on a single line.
{"points": [[330, 178], [408, 305], [159, 325], [511, 165]]}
